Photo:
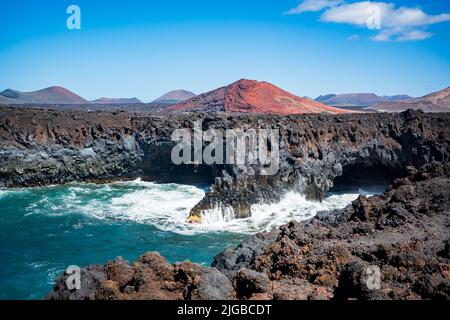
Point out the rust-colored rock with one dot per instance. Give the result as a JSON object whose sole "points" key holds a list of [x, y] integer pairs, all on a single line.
{"points": [[248, 96], [332, 256]]}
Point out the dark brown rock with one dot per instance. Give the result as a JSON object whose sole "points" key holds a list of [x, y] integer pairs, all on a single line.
{"points": [[41, 147]]}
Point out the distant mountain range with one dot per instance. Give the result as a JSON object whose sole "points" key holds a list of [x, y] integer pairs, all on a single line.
{"points": [[433, 102], [246, 96], [56, 95], [174, 97], [62, 96], [243, 96], [117, 101], [249, 96], [358, 99], [52, 95]]}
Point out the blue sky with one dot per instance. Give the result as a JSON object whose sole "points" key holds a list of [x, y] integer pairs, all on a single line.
{"points": [[146, 48]]}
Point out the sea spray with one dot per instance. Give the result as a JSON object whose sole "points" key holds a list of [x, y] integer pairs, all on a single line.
{"points": [[166, 206], [219, 215], [45, 229]]}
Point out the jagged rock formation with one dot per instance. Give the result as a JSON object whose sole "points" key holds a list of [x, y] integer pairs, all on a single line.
{"points": [[149, 278], [39, 147], [403, 233], [318, 149]]}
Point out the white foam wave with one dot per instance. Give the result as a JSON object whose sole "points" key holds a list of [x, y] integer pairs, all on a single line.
{"points": [[7, 192], [266, 217], [167, 209], [166, 206]]}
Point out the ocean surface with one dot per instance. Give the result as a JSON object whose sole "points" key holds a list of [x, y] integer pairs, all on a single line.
{"points": [[44, 230]]}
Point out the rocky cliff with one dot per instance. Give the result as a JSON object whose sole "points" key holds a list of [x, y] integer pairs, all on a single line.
{"points": [[40, 147], [392, 246], [404, 232]]}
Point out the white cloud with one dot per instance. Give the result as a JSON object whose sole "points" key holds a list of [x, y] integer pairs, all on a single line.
{"points": [[398, 24], [354, 13], [402, 35], [314, 6], [414, 35], [357, 13], [384, 35], [353, 37]]}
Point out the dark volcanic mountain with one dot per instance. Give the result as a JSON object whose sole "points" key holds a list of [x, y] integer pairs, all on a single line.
{"points": [[249, 96], [434, 102], [174, 97], [358, 99], [51, 95], [121, 101]]}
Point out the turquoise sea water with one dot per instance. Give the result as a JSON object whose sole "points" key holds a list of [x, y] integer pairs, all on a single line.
{"points": [[44, 230]]}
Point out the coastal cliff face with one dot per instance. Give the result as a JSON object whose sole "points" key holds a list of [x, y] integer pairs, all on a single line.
{"points": [[403, 235], [41, 147], [404, 232]]}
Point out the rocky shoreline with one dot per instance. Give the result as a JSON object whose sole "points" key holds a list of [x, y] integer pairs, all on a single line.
{"points": [[43, 147], [404, 234]]}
